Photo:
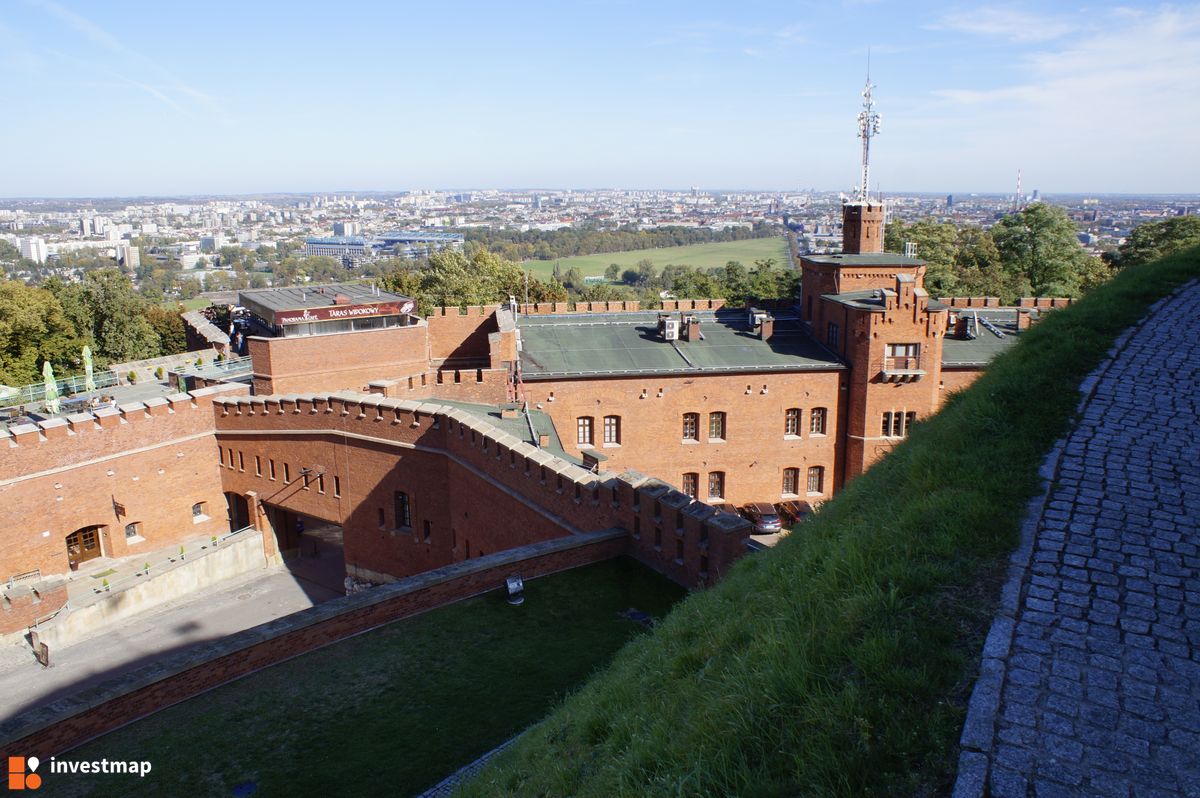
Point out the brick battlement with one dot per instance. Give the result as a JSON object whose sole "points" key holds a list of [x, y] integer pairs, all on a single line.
{"points": [[686, 540], [57, 442], [1038, 302]]}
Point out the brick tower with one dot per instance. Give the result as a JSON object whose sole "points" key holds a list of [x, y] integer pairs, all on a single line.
{"points": [[862, 227]]}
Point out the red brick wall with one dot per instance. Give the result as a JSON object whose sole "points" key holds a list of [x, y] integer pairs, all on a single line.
{"points": [[956, 380], [22, 605], [305, 631], [339, 361], [866, 335], [472, 482], [456, 334], [155, 460], [755, 450]]}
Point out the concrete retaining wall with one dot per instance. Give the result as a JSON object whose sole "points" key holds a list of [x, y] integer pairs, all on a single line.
{"points": [[236, 556]]}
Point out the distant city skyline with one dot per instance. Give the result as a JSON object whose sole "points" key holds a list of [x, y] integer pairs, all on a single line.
{"points": [[141, 99]]}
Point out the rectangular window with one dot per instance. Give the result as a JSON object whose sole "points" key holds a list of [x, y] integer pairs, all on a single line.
{"points": [[816, 479], [791, 477], [403, 511], [257, 466], [816, 422], [133, 530], [287, 474], [583, 431], [897, 424], [304, 475], [903, 357], [691, 426], [382, 521], [198, 510], [716, 426], [612, 430], [832, 335], [716, 485], [691, 484], [791, 421], [271, 466], [241, 461], [337, 486], [426, 530], [320, 483]]}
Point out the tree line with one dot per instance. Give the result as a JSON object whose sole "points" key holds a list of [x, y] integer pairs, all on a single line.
{"points": [[568, 242], [54, 321], [1034, 252]]}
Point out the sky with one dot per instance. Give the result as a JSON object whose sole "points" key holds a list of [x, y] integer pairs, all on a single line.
{"points": [[161, 98]]}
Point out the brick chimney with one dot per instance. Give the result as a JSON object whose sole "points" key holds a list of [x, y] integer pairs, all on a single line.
{"points": [[766, 328]]}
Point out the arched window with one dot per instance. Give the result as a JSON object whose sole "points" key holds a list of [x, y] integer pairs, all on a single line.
{"points": [[691, 426], [583, 431], [716, 426], [791, 481], [716, 485], [612, 430], [791, 421]]}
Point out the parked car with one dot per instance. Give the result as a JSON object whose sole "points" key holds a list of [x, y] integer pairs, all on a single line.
{"points": [[793, 512], [766, 521]]}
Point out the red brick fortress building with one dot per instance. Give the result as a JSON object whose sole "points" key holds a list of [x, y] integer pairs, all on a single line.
{"points": [[465, 432]]}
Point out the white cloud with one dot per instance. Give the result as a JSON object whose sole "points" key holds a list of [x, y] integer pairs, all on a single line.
{"points": [[1118, 99], [1006, 22]]}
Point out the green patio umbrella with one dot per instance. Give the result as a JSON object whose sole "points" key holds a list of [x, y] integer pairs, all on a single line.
{"points": [[51, 387], [89, 381]]}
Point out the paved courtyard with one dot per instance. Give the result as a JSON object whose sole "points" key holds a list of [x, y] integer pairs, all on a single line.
{"points": [[1090, 682]]}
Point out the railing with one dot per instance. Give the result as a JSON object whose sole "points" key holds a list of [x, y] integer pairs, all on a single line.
{"points": [[39, 621], [28, 576], [902, 363], [35, 393], [230, 367]]}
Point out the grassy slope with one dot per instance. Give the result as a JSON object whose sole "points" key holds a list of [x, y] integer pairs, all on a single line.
{"points": [[700, 255], [392, 711], [840, 662]]}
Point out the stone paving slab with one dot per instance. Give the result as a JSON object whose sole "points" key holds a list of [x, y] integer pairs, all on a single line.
{"points": [[1090, 679]]}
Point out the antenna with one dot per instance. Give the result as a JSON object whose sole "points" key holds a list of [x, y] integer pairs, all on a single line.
{"points": [[868, 125], [1017, 196]]}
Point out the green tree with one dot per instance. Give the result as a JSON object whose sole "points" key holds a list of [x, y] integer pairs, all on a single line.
{"points": [[119, 326], [1154, 240], [1040, 245], [168, 325], [613, 272], [33, 329]]}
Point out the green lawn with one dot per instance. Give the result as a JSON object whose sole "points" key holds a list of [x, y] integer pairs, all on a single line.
{"points": [[393, 711], [840, 662], [196, 303], [700, 255]]}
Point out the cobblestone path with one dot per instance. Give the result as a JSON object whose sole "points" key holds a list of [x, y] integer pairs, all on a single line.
{"points": [[1090, 679]]}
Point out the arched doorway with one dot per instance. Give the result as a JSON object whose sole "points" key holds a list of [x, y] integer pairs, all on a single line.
{"points": [[239, 511], [83, 545]]}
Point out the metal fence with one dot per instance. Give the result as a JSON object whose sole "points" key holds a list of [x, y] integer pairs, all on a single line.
{"points": [[33, 394]]}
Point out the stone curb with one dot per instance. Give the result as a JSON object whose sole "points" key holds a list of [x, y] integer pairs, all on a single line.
{"points": [[978, 738]]}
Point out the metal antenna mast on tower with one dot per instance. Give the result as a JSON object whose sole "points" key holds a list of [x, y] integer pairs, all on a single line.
{"points": [[1017, 196], [868, 125]]}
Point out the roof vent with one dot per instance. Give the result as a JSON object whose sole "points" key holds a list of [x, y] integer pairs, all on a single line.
{"points": [[341, 299]]}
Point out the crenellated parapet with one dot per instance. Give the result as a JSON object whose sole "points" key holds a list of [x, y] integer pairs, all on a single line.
{"points": [[63, 441], [687, 540]]}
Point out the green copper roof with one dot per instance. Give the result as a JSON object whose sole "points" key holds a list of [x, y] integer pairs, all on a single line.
{"points": [[616, 344]]}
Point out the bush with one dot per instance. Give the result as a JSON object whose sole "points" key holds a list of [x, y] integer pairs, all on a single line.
{"points": [[132, 377], [158, 373]]}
